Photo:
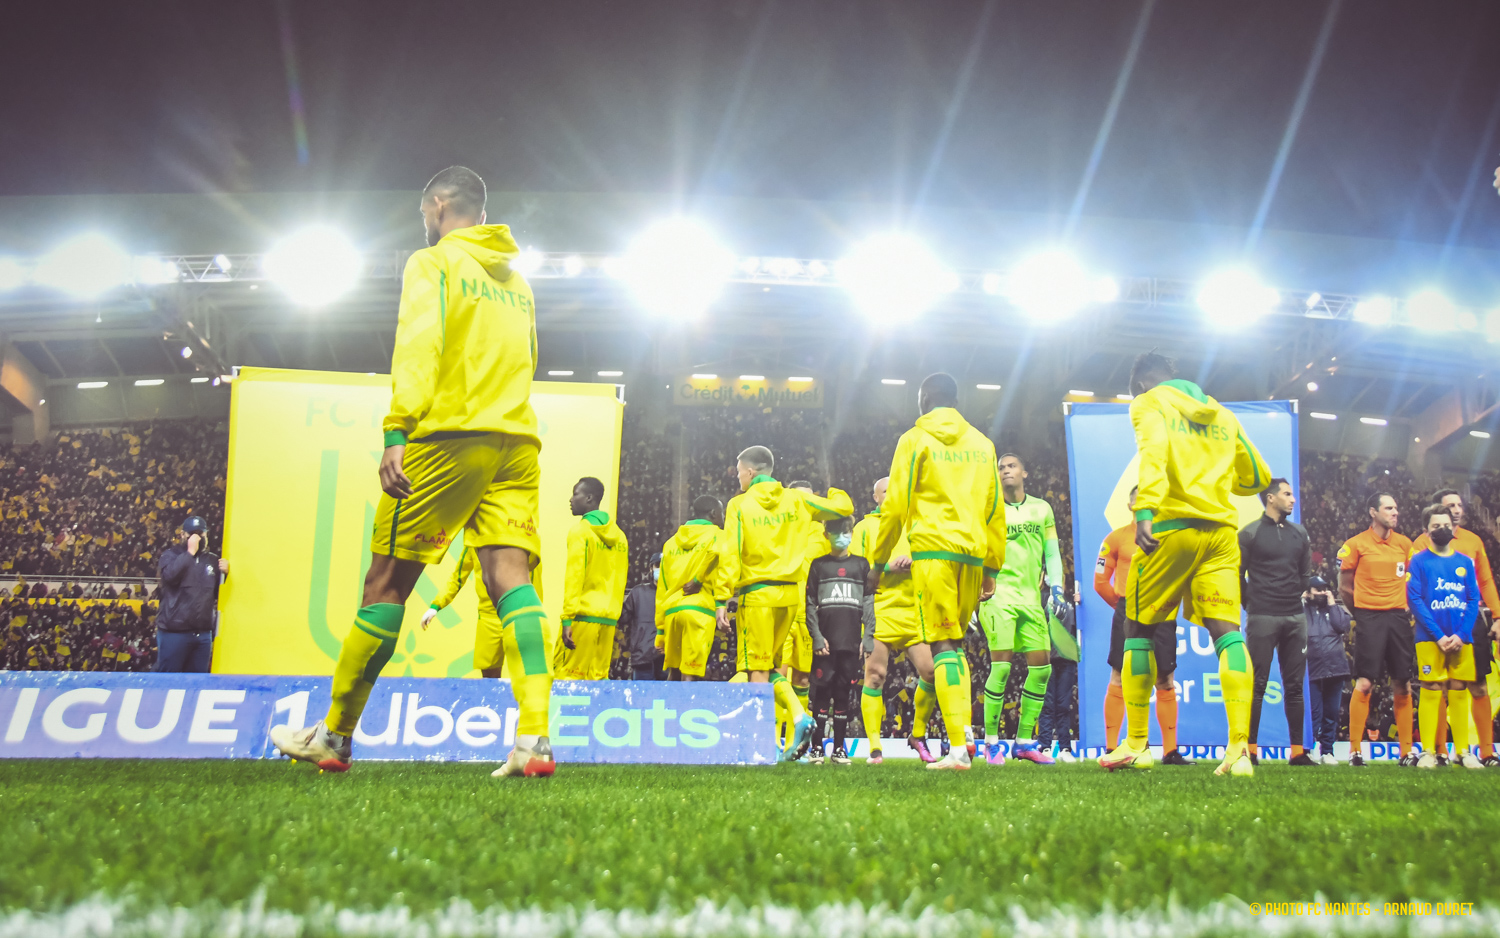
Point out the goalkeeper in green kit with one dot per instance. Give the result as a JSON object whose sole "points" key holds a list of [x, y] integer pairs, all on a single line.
{"points": [[1013, 619]]}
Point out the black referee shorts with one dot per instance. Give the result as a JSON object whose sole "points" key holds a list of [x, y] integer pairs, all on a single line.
{"points": [[1384, 643], [1163, 642]]}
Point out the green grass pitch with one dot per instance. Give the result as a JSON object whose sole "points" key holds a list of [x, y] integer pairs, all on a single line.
{"points": [[648, 837]]}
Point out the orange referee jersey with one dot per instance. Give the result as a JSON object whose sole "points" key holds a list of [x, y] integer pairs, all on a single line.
{"points": [[1466, 542], [1379, 568], [1114, 563]]}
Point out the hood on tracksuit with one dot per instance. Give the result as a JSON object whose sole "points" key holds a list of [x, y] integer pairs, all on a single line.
{"points": [[598, 564], [692, 553], [766, 527], [465, 347], [944, 494], [1193, 457], [491, 245]]}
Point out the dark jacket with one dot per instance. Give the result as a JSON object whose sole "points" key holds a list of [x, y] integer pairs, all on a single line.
{"points": [[638, 615], [1275, 563], [189, 590], [1326, 628]]}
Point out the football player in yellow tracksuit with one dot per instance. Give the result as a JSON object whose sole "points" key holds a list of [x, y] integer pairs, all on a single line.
{"points": [[945, 495], [489, 640], [593, 587], [764, 559], [1193, 457], [461, 449], [895, 631], [691, 590]]}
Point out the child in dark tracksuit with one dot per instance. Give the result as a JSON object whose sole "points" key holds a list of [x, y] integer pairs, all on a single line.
{"points": [[837, 611], [1060, 710], [1327, 665]]}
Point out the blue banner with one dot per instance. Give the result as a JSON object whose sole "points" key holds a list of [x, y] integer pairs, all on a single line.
{"points": [[1102, 465], [53, 714]]}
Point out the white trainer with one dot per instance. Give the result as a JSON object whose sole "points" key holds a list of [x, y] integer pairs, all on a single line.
{"points": [[1428, 760], [957, 760], [315, 744], [1329, 759], [535, 762]]}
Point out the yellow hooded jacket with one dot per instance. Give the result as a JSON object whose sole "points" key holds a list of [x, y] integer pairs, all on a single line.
{"points": [[895, 590], [695, 552], [1194, 455], [465, 345], [598, 563], [766, 529], [944, 494]]}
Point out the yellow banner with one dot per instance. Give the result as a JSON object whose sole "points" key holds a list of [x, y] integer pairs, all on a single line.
{"points": [[304, 447], [745, 391]]}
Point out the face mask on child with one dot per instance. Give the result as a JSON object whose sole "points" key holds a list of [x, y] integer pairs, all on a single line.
{"points": [[842, 541]]}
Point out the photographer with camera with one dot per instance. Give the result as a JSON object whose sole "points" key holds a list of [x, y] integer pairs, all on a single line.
{"points": [[185, 624]]}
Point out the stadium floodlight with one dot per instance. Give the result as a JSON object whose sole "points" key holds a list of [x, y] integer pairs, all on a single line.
{"points": [[1235, 297], [1374, 311], [12, 274], [149, 382], [1124, 397], [611, 374], [676, 268], [314, 266], [705, 377], [187, 352], [894, 277], [817, 270], [1317, 416], [1050, 286], [1082, 393], [151, 270], [799, 380], [752, 377], [201, 380], [527, 262], [572, 265], [92, 385], [1312, 385], [988, 387], [783, 268], [221, 261], [893, 381], [87, 265], [1431, 310], [1479, 434], [1106, 290], [1374, 421], [1313, 299], [559, 374]]}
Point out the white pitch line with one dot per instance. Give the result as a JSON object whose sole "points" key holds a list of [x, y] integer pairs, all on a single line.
{"points": [[106, 918]]}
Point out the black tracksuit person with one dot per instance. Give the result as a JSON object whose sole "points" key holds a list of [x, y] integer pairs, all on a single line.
{"points": [[1275, 564], [837, 611]]}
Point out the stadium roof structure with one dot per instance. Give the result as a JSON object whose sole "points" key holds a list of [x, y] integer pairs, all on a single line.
{"points": [[783, 309]]}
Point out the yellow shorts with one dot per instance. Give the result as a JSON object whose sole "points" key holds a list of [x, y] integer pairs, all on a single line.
{"points": [[489, 642], [1196, 568], [485, 484], [797, 650], [1434, 665], [593, 647], [762, 632], [896, 622], [946, 593], [689, 635]]}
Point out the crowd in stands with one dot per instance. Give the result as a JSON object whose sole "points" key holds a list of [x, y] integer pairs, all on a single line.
{"points": [[104, 503]]}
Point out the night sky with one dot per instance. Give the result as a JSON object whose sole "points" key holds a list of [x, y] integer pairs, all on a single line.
{"points": [[936, 103]]}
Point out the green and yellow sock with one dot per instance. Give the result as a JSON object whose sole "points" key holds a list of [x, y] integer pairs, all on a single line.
{"points": [[952, 686], [1428, 708], [994, 698], [1237, 683], [872, 711], [368, 646], [1033, 695], [523, 623], [1137, 678], [787, 698], [922, 703]]}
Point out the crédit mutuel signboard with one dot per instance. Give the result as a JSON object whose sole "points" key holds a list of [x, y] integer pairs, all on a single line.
{"points": [[747, 391]]}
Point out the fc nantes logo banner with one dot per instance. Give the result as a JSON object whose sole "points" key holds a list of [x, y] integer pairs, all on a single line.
{"points": [[1102, 467], [300, 508]]}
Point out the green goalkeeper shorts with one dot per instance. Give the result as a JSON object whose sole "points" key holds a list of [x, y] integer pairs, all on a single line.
{"points": [[1010, 626]]}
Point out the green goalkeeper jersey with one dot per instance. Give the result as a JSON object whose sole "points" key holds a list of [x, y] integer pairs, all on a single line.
{"points": [[1029, 526]]}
